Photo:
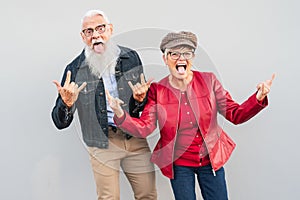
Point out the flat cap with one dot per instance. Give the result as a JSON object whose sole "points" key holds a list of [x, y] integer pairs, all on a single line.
{"points": [[182, 38]]}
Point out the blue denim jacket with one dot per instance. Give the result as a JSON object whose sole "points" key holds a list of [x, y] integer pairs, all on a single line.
{"points": [[91, 102]]}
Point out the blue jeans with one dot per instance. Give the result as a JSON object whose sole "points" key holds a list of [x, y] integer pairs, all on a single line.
{"points": [[212, 187]]}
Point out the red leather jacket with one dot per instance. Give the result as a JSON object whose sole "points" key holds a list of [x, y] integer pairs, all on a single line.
{"points": [[207, 97]]}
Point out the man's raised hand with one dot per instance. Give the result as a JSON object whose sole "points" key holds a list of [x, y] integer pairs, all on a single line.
{"points": [[69, 91], [139, 90]]}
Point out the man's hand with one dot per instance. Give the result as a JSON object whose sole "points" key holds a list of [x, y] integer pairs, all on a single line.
{"points": [[70, 91], [115, 104], [139, 90], [264, 88]]}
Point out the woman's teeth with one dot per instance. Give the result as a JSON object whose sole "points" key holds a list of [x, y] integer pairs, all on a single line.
{"points": [[181, 68]]}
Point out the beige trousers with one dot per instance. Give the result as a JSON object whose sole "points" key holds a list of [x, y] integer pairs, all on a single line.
{"points": [[133, 157]]}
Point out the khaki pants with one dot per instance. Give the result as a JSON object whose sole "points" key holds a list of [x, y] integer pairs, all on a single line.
{"points": [[133, 157]]}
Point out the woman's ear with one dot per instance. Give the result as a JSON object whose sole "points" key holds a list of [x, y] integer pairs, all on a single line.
{"points": [[164, 57]]}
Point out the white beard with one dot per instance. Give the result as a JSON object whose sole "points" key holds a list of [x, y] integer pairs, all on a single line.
{"points": [[103, 64]]}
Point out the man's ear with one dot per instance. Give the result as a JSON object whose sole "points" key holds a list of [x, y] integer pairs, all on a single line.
{"points": [[82, 36], [111, 28]]}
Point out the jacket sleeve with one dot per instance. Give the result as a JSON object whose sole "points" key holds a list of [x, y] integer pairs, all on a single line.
{"points": [[134, 106], [233, 111], [62, 116], [146, 124]]}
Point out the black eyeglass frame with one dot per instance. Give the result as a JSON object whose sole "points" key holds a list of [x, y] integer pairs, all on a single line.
{"points": [[187, 54], [101, 28]]}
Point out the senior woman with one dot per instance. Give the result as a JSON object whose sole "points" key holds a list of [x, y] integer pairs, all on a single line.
{"points": [[184, 105]]}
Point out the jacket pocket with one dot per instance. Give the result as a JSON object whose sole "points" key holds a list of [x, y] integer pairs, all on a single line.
{"points": [[87, 95], [131, 75], [222, 150]]}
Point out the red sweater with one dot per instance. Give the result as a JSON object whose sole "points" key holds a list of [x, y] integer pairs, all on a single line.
{"points": [[189, 147]]}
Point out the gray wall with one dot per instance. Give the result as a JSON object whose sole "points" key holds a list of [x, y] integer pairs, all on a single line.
{"points": [[243, 41]]}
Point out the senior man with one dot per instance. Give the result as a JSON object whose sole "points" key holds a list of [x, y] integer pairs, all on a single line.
{"points": [[103, 65]]}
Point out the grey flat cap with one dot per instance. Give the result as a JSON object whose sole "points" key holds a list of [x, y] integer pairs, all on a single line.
{"points": [[182, 38]]}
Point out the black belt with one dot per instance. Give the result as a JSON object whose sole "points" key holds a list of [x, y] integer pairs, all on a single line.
{"points": [[115, 129]]}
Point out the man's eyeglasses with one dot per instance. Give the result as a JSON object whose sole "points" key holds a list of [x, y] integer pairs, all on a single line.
{"points": [[89, 31], [176, 55]]}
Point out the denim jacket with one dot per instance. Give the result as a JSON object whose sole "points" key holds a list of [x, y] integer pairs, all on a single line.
{"points": [[91, 102]]}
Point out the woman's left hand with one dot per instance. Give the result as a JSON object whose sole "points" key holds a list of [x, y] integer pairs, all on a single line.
{"points": [[264, 88]]}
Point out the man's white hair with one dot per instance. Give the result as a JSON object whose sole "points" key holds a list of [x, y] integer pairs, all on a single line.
{"points": [[92, 13]]}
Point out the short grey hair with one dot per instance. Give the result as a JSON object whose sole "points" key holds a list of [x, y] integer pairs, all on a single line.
{"points": [[92, 13], [166, 53]]}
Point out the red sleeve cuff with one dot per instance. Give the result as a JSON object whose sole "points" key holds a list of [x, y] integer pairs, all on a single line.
{"points": [[263, 102], [119, 120]]}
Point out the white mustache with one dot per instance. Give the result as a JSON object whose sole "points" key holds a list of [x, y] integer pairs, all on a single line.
{"points": [[97, 41]]}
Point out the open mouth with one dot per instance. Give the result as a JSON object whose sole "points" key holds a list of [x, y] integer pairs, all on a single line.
{"points": [[181, 68], [97, 43], [98, 47]]}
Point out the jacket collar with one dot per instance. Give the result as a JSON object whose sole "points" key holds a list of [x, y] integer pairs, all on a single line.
{"points": [[124, 53]]}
